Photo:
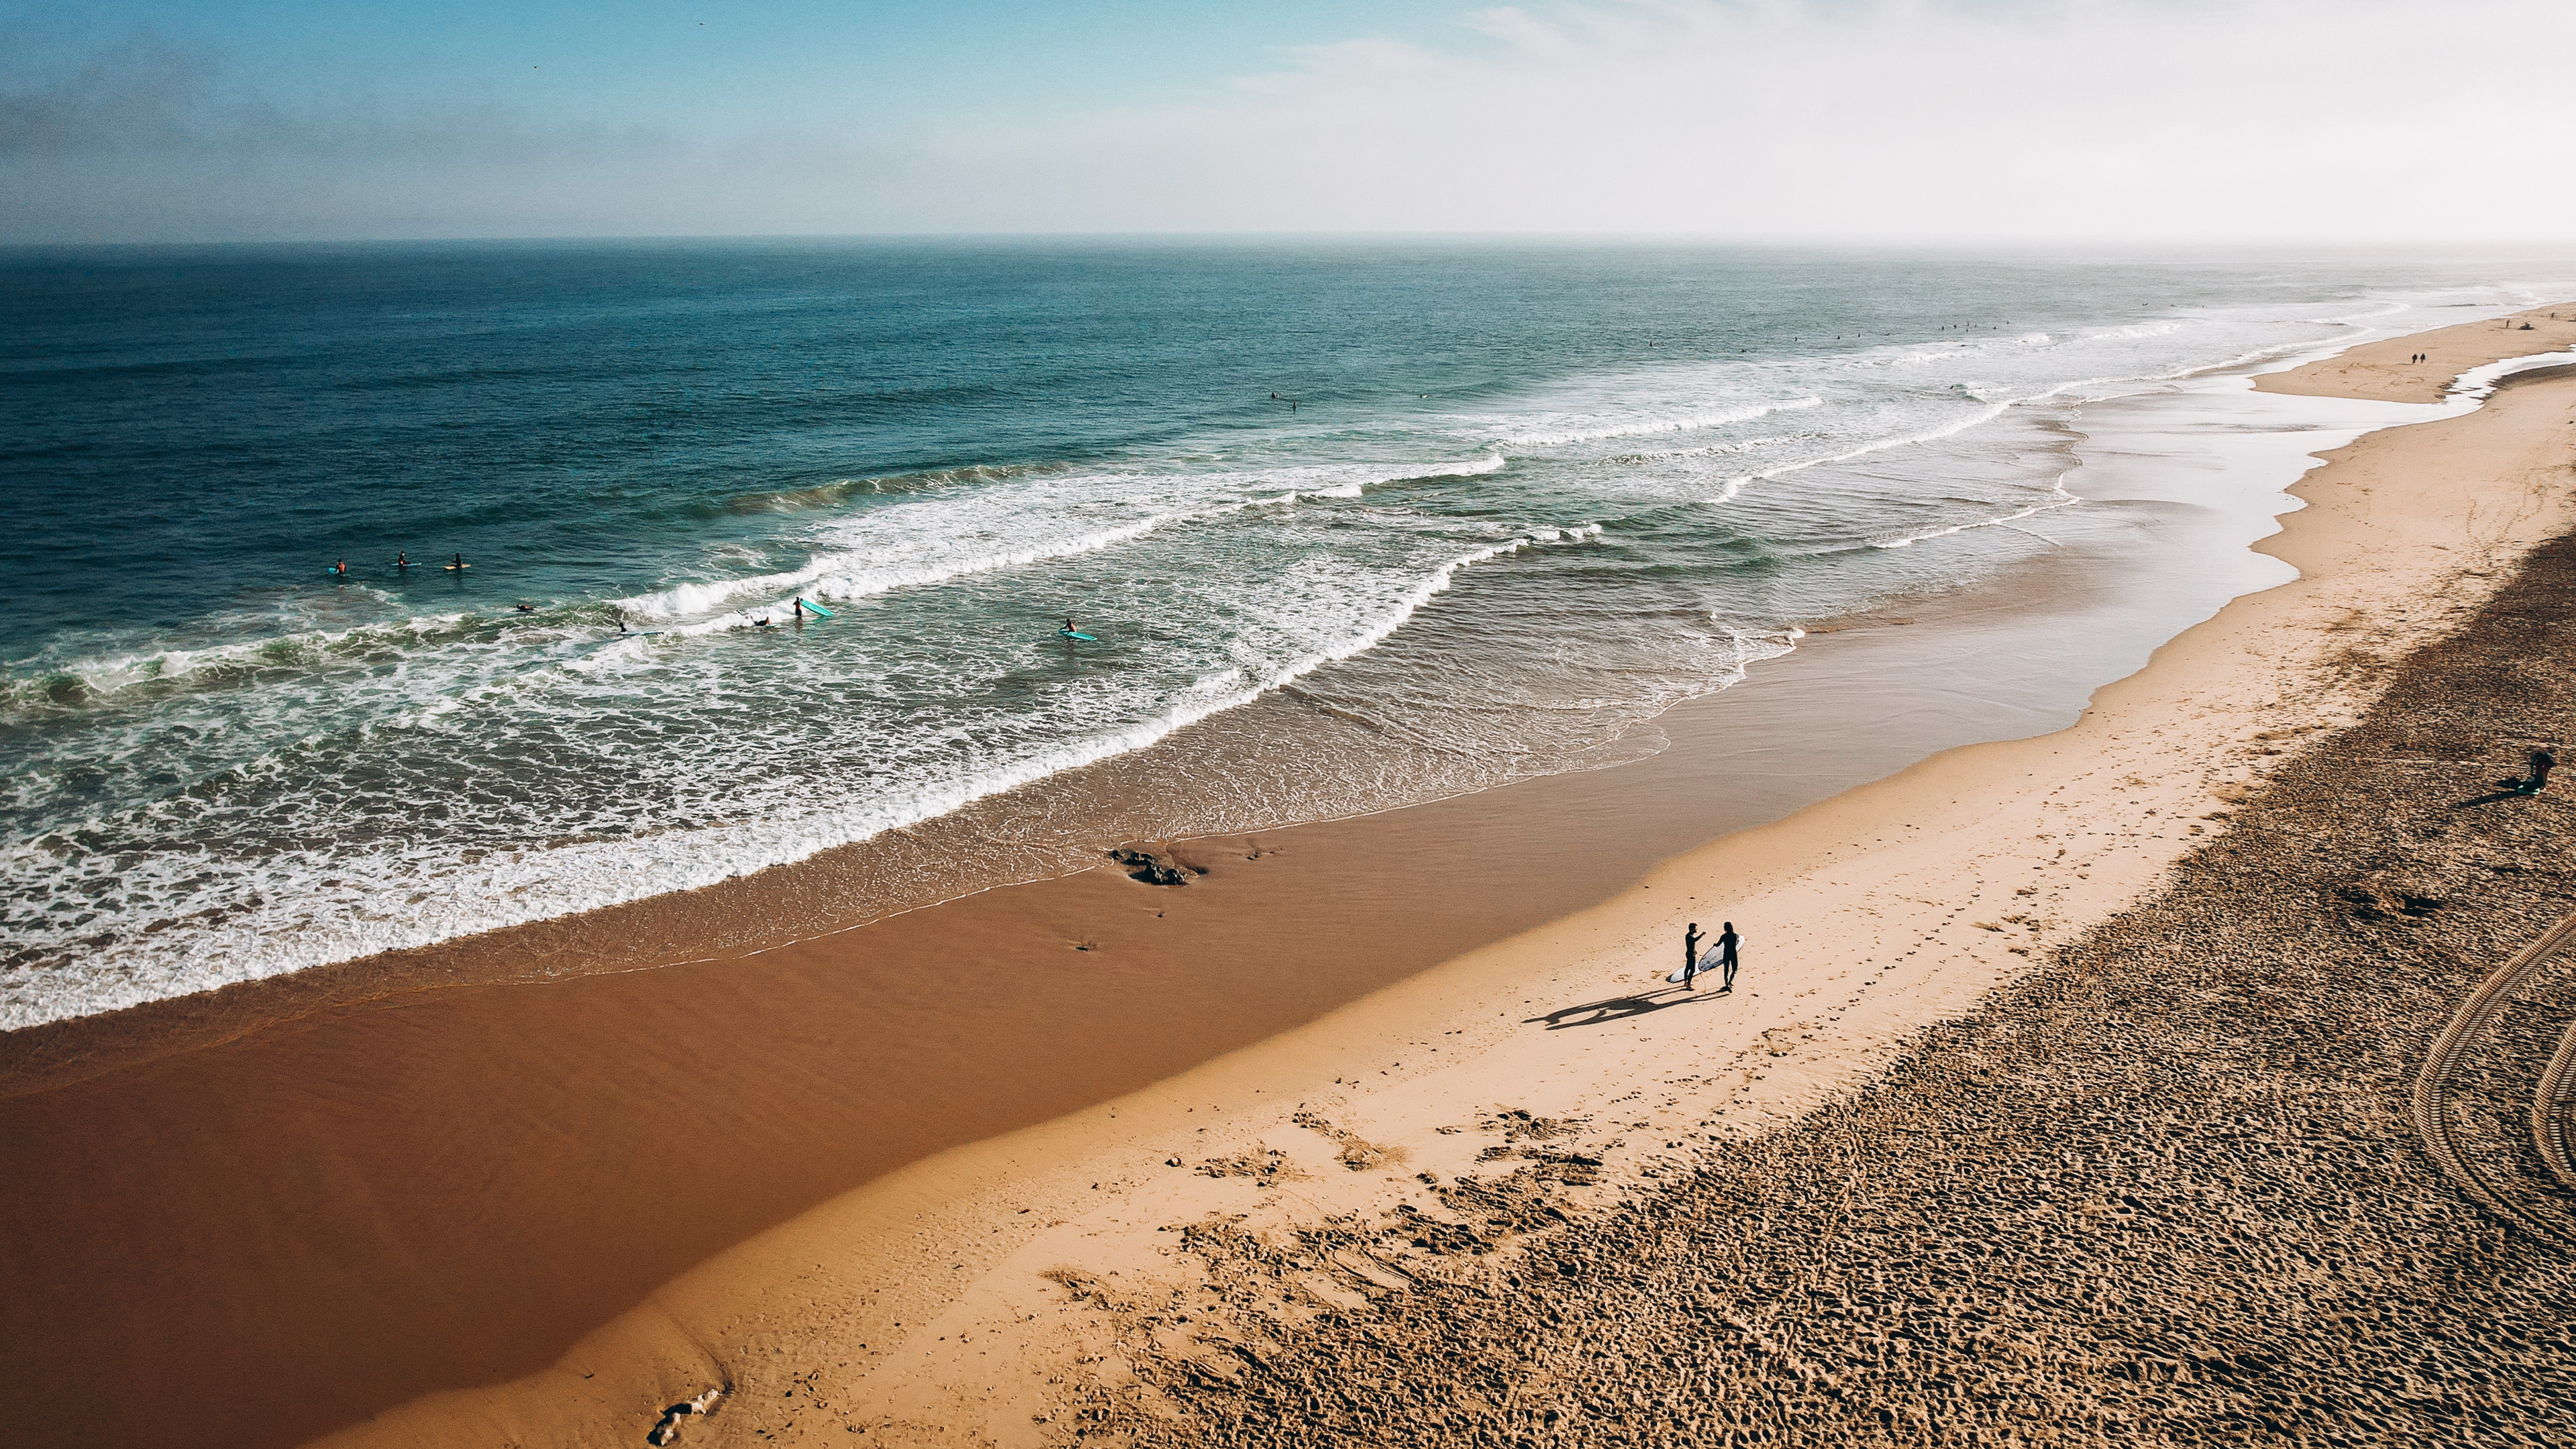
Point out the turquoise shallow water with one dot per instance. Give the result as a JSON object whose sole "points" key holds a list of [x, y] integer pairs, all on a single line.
{"points": [[1498, 502]]}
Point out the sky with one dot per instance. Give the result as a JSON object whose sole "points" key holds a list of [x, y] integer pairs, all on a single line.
{"points": [[2302, 121]]}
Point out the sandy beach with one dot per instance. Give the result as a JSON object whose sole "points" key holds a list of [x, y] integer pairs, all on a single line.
{"points": [[960, 1231]]}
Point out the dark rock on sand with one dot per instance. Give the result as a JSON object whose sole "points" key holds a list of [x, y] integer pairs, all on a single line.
{"points": [[1152, 867]]}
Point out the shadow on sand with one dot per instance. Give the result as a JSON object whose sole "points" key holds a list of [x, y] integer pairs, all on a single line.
{"points": [[2504, 792], [1621, 1008]]}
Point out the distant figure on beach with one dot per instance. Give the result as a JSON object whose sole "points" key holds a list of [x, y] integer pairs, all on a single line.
{"points": [[2542, 762], [1690, 955], [1727, 942]]}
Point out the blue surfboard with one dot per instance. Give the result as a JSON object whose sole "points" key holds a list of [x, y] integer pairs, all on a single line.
{"points": [[1078, 634], [811, 607]]}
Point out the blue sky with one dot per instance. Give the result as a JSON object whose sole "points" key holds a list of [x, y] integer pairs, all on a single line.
{"points": [[739, 65], [2134, 120]]}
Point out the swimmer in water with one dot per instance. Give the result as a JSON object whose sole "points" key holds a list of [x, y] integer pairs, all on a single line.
{"points": [[341, 568], [527, 608]]}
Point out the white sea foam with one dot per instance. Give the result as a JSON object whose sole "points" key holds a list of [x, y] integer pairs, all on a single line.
{"points": [[324, 907], [920, 544], [1557, 432], [320, 816]]}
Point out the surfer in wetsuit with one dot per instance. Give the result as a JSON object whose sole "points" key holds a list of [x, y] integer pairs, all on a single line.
{"points": [[1727, 942], [527, 608], [1690, 955], [2542, 762], [401, 560], [456, 562], [340, 570]]}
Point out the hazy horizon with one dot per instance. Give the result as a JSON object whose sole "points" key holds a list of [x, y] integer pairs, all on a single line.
{"points": [[2151, 122]]}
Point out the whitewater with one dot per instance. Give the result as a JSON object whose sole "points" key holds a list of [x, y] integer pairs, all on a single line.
{"points": [[223, 764]]}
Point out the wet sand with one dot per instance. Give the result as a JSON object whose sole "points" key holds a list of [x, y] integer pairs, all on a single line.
{"points": [[320, 1218], [325, 1207]]}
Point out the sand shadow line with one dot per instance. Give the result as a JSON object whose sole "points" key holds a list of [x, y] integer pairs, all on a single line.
{"points": [[1620, 1008]]}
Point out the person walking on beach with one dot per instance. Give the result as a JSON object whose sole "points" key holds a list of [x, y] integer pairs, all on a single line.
{"points": [[1727, 942], [2542, 762], [1690, 956]]}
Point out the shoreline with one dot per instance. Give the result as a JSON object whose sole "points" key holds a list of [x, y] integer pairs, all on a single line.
{"points": [[990, 1283], [653, 1353], [2179, 1185]]}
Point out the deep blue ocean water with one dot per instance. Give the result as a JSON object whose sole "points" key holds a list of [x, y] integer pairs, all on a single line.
{"points": [[1499, 501]]}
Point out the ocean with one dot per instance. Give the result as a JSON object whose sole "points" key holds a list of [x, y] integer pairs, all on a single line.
{"points": [[1460, 512]]}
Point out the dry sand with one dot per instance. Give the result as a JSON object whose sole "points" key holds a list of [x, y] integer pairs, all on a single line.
{"points": [[2165, 1191], [1439, 1213], [2386, 370]]}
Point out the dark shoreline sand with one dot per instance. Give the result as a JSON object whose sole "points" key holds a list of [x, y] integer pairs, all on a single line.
{"points": [[267, 1213]]}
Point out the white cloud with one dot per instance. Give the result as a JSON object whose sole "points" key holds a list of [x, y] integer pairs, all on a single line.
{"points": [[2352, 120], [2313, 120]]}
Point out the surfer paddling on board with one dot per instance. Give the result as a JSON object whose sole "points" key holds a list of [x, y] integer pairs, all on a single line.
{"points": [[1070, 632]]}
